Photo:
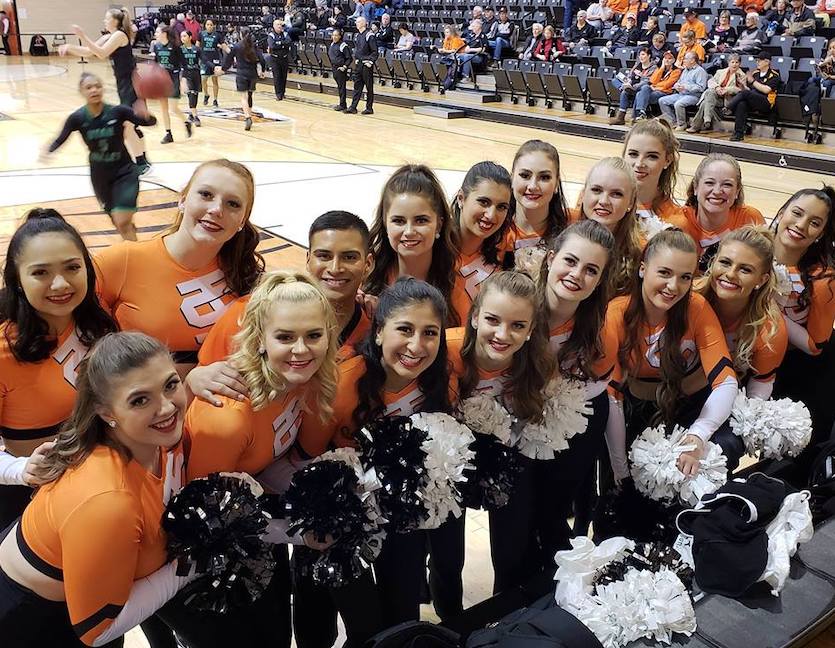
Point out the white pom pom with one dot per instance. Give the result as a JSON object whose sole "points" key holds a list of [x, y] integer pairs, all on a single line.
{"points": [[775, 428], [784, 285], [652, 225], [448, 454], [563, 417], [486, 415], [654, 468]]}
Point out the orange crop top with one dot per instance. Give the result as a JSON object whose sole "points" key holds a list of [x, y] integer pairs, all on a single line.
{"points": [[490, 383], [765, 358], [147, 290], [707, 241], [37, 397], [235, 438], [98, 529]]}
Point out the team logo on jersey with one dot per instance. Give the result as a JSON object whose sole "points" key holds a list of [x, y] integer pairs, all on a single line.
{"points": [[406, 405], [203, 304], [474, 275], [286, 427], [173, 472], [493, 386], [653, 355], [69, 355]]}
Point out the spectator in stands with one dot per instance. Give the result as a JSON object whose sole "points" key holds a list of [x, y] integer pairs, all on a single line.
{"points": [[648, 32], [385, 37], [722, 35], [692, 23], [233, 37], [660, 85], [638, 77], [532, 42], [660, 47], [453, 43], [600, 15], [5, 30], [753, 5], [689, 43], [686, 92], [475, 52], [820, 85], [549, 47], [637, 8], [801, 20], [618, 8], [192, 25], [580, 33], [338, 20], [406, 40], [500, 37], [295, 21], [488, 19], [824, 10], [267, 17], [760, 95], [179, 25], [478, 12], [363, 9], [320, 20], [778, 18], [751, 39], [720, 88], [623, 36]]}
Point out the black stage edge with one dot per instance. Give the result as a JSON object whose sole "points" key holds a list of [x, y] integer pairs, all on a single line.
{"points": [[771, 156]]}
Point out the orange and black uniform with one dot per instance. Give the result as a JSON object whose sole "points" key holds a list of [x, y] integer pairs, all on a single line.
{"points": [[218, 344], [148, 291], [35, 399], [472, 270], [816, 316], [766, 357], [707, 241], [520, 239], [667, 211], [98, 529]]}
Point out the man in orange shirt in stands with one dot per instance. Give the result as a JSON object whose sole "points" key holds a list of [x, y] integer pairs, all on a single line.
{"points": [[660, 85], [692, 23]]}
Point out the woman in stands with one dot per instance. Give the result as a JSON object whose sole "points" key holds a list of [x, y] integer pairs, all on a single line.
{"points": [[174, 287], [804, 243], [740, 286], [413, 235], [479, 214], [246, 57], [673, 365], [538, 208], [49, 317], [87, 561], [169, 56], [609, 196], [716, 204]]}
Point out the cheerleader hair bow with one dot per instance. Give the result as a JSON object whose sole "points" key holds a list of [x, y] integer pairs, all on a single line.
{"points": [[774, 428]]}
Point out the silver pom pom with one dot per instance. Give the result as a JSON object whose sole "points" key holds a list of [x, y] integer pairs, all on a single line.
{"points": [[775, 428]]}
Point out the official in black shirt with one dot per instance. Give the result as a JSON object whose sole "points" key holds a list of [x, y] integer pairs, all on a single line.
{"points": [[278, 47], [365, 53], [340, 55]]}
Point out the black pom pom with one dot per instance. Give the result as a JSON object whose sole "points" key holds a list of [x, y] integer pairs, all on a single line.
{"points": [[652, 556], [493, 479], [392, 447], [215, 525]]}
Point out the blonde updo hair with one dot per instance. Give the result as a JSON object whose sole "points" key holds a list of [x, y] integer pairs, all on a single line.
{"points": [[264, 383]]}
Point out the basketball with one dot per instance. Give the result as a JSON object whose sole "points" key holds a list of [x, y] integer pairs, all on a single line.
{"points": [[152, 81]]}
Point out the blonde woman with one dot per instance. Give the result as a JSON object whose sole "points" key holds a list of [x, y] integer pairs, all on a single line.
{"points": [[725, 84]]}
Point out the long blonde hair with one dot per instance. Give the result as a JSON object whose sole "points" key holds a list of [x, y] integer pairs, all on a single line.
{"points": [[264, 384], [660, 130], [762, 313], [628, 247], [110, 358]]}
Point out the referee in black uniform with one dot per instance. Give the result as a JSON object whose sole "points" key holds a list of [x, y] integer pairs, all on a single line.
{"points": [[278, 46], [365, 53], [340, 55]]}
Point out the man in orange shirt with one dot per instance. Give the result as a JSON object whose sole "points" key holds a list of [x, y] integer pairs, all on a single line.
{"points": [[692, 23], [660, 85]]}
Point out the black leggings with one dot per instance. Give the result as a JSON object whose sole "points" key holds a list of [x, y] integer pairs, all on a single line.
{"points": [[13, 499], [192, 78]]}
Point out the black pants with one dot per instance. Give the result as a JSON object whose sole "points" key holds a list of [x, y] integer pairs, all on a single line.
{"points": [[744, 102], [315, 608], [341, 78], [527, 532], [29, 621], [264, 623], [192, 78], [363, 78], [13, 499], [6, 48], [279, 67]]}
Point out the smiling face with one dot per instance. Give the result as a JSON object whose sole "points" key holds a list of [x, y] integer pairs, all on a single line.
{"points": [[575, 270], [648, 158], [607, 196], [668, 276], [411, 225], [733, 64], [215, 206], [295, 339], [409, 341], [148, 405], [535, 178], [340, 261], [484, 210], [717, 189], [802, 222], [502, 326], [53, 276], [736, 272]]}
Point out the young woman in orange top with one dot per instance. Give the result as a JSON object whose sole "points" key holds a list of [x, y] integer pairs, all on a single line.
{"points": [[413, 236], [49, 317], [716, 204], [538, 209], [175, 287], [651, 148], [88, 559], [804, 243], [673, 362], [402, 369], [740, 286], [479, 214], [503, 352], [609, 197]]}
